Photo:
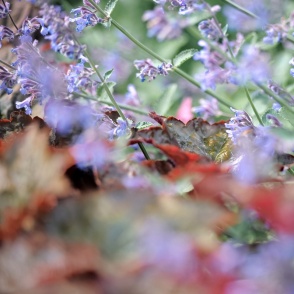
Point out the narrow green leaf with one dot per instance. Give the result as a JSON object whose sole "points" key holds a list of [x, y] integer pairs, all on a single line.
{"points": [[166, 100], [183, 56], [108, 74], [110, 6], [225, 29], [101, 93]]}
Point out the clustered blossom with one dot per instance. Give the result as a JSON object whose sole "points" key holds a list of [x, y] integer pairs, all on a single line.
{"points": [[29, 26], [78, 77], [239, 125], [4, 10], [212, 61], [253, 65], [161, 26], [147, 69], [210, 29], [5, 32], [268, 11], [254, 148], [277, 33], [85, 16], [42, 80], [187, 7], [207, 109], [121, 129], [57, 24], [8, 79]]}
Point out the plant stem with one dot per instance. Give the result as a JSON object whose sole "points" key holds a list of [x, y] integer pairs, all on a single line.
{"points": [[122, 106], [10, 16], [241, 9], [112, 99], [275, 97], [106, 87], [8, 65], [155, 55], [252, 105]]}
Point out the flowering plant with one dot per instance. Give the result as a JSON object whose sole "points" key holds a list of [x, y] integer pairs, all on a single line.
{"points": [[154, 158]]}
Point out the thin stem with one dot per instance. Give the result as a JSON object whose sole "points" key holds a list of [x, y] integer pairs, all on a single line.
{"points": [[155, 55], [112, 99], [241, 9], [114, 103], [8, 65], [144, 151], [122, 106], [10, 16], [275, 97], [141, 145], [252, 105]]}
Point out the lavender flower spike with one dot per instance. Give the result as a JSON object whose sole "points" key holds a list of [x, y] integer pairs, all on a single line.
{"points": [[239, 125], [147, 69], [4, 10], [6, 32], [26, 104]]}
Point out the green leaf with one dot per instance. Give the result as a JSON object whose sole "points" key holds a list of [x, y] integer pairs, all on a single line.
{"points": [[183, 56], [110, 6], [101, 90], [108, 74], [167, 99], [225, 29], [143, 125]]}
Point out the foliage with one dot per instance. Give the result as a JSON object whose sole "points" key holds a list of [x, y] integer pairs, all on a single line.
{"points": [[137, 164]]}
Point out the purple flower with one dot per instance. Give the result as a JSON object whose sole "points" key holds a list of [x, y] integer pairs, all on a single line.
{"points": [[78, 78], [57, 25], [161, 26], [209, 29], [122, 129], [267, 11], [147, 69], [26, 104], [8, 80], [98, 150], [252, 66], [207, 57], [4, 10], [238, 125], [274, 120], [6, 32], [207, 109], [254, 148], [212, 61], [42, 80], [29, 26], [85, 16], [166, 249], [67, 116], [188, 6], [268, 269]]}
